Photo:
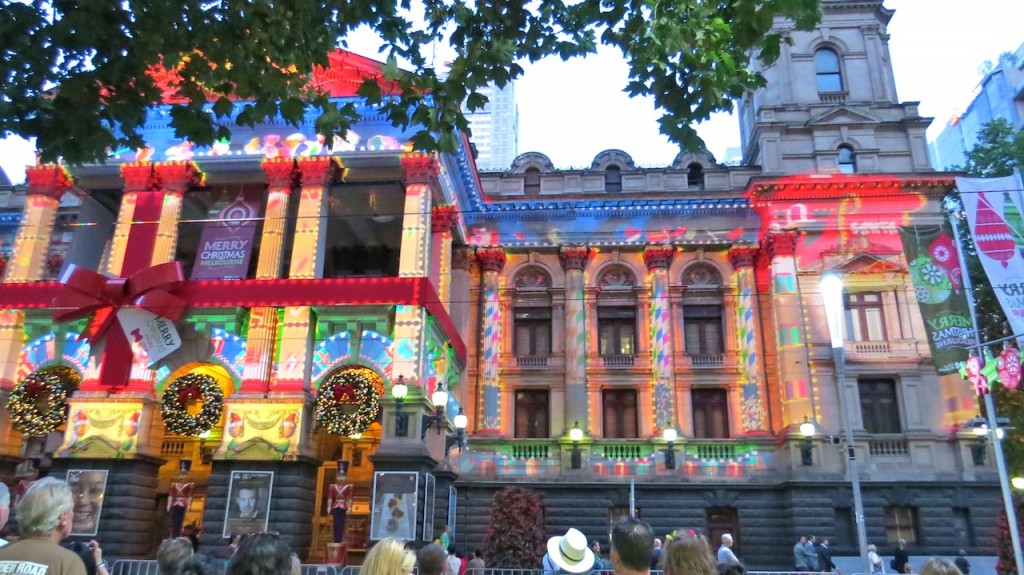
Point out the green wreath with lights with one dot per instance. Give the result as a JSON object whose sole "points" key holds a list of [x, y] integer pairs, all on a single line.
{"points": [[39, 403], [184, 390], [342, 390]]}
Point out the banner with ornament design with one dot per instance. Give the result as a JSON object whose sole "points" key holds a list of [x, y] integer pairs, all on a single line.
{"points": [[997, 227], [934, 264]]}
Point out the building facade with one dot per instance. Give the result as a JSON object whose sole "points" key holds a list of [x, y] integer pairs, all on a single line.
{"points": [[620, 302], [495, 128]]}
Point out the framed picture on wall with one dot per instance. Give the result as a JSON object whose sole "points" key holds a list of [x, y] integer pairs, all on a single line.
{"points": [[248, 502], [394, 505], [88, 488]]}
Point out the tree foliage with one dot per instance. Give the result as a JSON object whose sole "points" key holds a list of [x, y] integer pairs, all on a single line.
{"points": [[515, 537], [74, 72], [998, 150]]}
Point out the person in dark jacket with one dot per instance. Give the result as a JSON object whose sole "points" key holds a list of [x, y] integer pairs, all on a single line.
{"points": [[962, 563], [825, 557], [900, 557]]}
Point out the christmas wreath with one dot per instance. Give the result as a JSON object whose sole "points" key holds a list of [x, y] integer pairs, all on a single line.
{"points": [[348, 401], [184, 390], [39, 403]]}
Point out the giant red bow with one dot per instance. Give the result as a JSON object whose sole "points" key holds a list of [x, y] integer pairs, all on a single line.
{"points": [[94, 293]]}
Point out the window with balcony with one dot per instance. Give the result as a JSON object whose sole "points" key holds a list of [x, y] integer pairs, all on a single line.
{"points": [[722, 520], [901, 523], [865, 315], [620, 419], [878, 406], [616, 330], [826, 68], [702, 325], [710, 413], [531, 318], [533, 331], [532, 414]]}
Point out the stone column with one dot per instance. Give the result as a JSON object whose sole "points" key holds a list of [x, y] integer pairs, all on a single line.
{"points": [[462, 265], [421, 171], [46, 185], [491, 261], [574, 261], [261, 337], [790, 344], [658, 258], [442, 220], [173, 180], [753, 412]]}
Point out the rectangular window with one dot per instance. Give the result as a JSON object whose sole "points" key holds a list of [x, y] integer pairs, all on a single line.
{"points": [[865, 316], [722, 520], [703, 329], [620, 419], [364, 230], [617, 330], [710, 413], [533, 331], [219, 231], [878, 405], [532, 408], [901, 523], [845, 530], [963, 528]]}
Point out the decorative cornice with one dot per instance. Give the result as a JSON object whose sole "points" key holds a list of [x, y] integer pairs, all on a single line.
{"points": [[574, 257], [50, 180], [491, 259], [420, 168], [443, 218], [658, 256], [463, 258], [743, 256], [781, 244], [138, 177], [316, 171], [280, 172], [176, 177]]}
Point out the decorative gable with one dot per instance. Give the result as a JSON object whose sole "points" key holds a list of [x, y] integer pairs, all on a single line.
{"points": [[843, 115]]}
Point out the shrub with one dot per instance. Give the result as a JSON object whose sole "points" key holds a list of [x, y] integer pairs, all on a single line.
{"points": [[515, 536]]}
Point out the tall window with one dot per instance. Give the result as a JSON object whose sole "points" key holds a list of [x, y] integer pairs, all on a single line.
{"points": [[878, 405], [703, 329], [619, 407], [845, 529], [710, 413], [531, 182], [901, 523], [612, 179], [532, 416], [695, 176], [847, 161], [962, 527], [826, 67], [865, 316], [721, 520], [533, 331], [617, 330]]}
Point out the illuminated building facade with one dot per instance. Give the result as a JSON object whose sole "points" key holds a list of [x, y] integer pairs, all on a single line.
{"points": [[616, 300]]}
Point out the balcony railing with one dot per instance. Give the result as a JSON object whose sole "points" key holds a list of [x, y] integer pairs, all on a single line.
{"points": [[833, 97], [707, 360], [530, 450], [892, 446], [871, 347], [532, 361], [712, 450], [625, 450], [174, 447], [618, 361]]}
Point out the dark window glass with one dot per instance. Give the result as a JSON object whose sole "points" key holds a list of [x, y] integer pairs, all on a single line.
{"points": [[532, 413], [847, 160], [364, 230], [865, 316], [619, 413], [533, 331], [710, 413], [878, 405], [617, 330], [826, 66], [612, 179], [702, 326], [695, 176], [901, 523], [963, 529], [722, 520], [531, 182], [845, 529]]}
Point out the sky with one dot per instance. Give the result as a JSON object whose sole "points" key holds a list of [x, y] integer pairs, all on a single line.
{"points": [[573, 110]]}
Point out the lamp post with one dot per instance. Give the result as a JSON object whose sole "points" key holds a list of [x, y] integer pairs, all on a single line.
{"points": [[670, 436], [399, 390], [835, 312], [459, 439], [576, 457], [807, 450], [439, 398]]}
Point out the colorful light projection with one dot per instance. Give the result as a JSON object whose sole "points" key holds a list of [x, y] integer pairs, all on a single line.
{"points": [[98, 429], [228, 350], [379, 352], [42, 351], [331, 353], [266, 431]]}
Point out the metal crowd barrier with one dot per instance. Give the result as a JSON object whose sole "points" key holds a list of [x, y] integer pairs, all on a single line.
{"points": [[134, 567]]}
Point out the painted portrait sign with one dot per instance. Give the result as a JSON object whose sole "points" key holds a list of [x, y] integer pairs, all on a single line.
{"points": [[394, 505], [248, 502], [88, 488]]}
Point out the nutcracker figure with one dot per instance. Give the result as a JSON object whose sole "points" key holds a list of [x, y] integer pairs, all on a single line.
{"points": [[339, 500], [180, 497]]}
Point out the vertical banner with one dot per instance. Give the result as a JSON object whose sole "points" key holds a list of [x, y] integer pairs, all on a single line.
{"points": [[935, 271], [998, 231], [226, 244]]}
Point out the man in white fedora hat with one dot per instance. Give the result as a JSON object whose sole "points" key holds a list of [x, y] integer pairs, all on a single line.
{"points": [[568, 554]]}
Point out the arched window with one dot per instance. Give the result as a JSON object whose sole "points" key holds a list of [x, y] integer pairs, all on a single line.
{"points": [[612, 179], [847, 160], [695, 176], [826, 67], [531, 182]]}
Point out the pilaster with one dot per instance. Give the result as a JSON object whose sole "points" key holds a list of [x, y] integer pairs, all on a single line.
{"points": [[753, 391], [421, 171], [491, 261], [46, 184], [443, 220], [173, 179], [791, 348], [658, 258], [574, 260]]}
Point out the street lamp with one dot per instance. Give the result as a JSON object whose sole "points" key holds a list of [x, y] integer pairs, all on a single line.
{"points": [[576, 457], [670, 436], [460, 421], [807, 451], [835, 311], [440, 399], [399, 390]]}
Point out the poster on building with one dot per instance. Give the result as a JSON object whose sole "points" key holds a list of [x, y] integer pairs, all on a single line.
{"points": [[88, 488], [394, 505], [248, 502], [934, 262], [453, 499], [998, 231], [225, 246]]}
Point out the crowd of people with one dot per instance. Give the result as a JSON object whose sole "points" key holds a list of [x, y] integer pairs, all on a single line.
{"points": [[46, 514]]}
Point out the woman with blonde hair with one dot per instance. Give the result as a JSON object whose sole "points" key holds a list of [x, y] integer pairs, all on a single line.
{"points": [[389, 557], [939, 566], [688, 553]]}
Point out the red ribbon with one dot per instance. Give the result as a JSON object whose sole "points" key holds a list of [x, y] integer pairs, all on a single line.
{"points": [[94, 293]]}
